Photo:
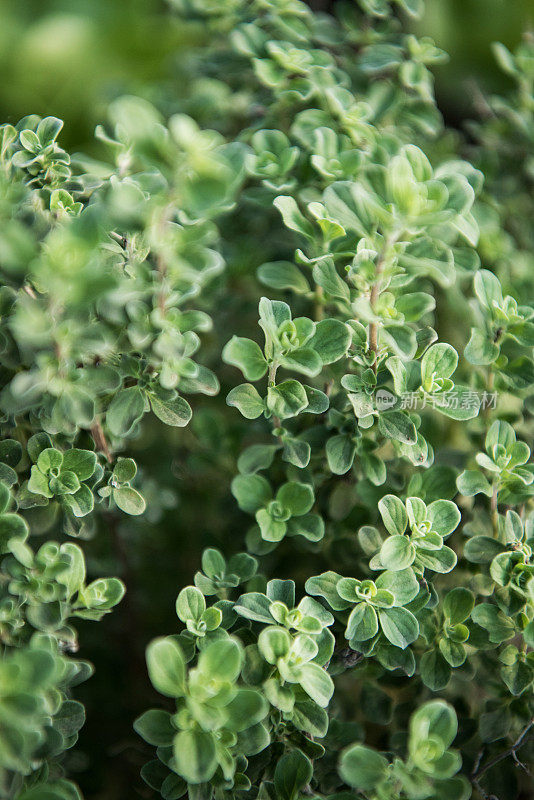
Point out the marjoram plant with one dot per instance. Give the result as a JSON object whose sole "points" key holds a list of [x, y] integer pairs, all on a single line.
{"points": [[368, 630]]}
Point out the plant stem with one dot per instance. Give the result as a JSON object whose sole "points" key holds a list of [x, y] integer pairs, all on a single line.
{"points": [[99, 438], [495, 509], [161, 262], [478, 772], [271, 381], [375, 294], [319, 300]]}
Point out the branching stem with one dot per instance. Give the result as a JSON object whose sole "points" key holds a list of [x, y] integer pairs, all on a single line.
{"points": [[479, 771]]}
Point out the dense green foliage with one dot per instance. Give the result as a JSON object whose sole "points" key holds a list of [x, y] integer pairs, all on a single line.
{"points": [[304, 232]]}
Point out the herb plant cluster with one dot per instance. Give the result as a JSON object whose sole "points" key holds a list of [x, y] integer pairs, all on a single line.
{"points": [[365, 628]]}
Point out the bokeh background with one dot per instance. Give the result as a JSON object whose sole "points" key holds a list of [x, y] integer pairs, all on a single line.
{"points": [[69, 58]]}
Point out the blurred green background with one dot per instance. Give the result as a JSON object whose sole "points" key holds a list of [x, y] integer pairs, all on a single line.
{"points": [[69, 58]]}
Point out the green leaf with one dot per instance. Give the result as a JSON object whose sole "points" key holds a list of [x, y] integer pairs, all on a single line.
{"points": [[461, 403], [362, 623], [38, 483], [166, 666], [247, 400], [246, 355], [66, 483], [442, 560], [81, 502], [480, 350], [12, 527], [195, 756], [444, 516], [129, 500], [255, 458], [222, 660], [251, 492], [73, 577], [213, 562], [331, 340], [435, 672], [272, 530], [253, 740], [307, 716], [458, 604], [397, 553], [293, 217], [311, 526], [454, 653], [402, 584], [81, 462], [401, 339], [501, 434], [482, 549], [316, 683], [434, 719], [488, 289], [340, 452], [399, 625], [282, 275], [324, 585], [37, 443], [125, 411], [5, 497], [190, 604], [246, 709], [254, 606], [362, 768], [287, 399], [353, 206], [125, 470], [281, 591], [49, 459], [155, 727], [274, 643], [296, 452], [393, 513], [414, 8], [304, 360], [318, 401], [414, 306], [104, 593], [397, 425], [297, 497], [499, 627], [517, 677], [326, 276], [293, 772], [439, 361], [471, 482], [70, 718], [173, 411], [373, 468]]}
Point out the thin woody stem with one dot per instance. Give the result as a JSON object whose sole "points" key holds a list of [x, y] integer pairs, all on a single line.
{"points": [[99, 438], [479, 772]]}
